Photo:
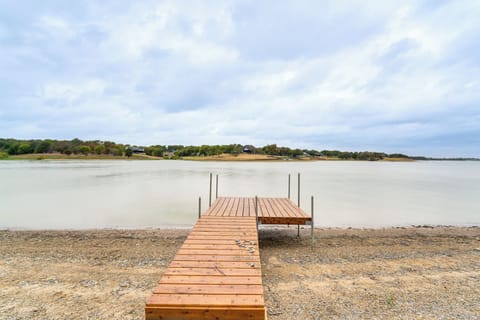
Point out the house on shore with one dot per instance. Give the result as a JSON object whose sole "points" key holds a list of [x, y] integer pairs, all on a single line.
{"points": [[136, 149], [249, 149]]}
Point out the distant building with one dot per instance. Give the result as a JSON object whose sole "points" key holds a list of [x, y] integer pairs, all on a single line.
{"points": [[248, 149], [137, 149]]}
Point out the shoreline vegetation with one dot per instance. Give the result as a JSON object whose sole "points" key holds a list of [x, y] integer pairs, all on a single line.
{"points": [[391, 273], [76, 149]]}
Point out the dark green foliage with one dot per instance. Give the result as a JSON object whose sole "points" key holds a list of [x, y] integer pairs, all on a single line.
{"points": [[232, 148], [84, 150], [77, 146], [312, 153], [271, 149], [187, 151], [24, 148], [44, 146], [274, 150], [13, 149], [397, 155], [156, 151], [173, 147], [100, 149], [118, 151]]}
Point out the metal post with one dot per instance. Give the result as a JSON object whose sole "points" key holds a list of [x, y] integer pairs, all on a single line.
{"points": [[210, 196], [199, 207], [312, 226], [298, 190], [298, 230], [289, 186], [256, 210], [216, 187]]}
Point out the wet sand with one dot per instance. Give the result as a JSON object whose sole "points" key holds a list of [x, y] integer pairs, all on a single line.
{"points": [[396, 273]]}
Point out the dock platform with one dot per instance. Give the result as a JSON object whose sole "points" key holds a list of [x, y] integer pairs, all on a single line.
{"points": [[270, 210], [216, 274]]}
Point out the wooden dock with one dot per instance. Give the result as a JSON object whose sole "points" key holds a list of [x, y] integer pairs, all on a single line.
{"points": [[270, 210], [216, 274]]}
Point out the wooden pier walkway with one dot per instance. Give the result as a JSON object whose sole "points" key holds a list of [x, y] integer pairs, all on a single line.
{"points": [[216, 274]]}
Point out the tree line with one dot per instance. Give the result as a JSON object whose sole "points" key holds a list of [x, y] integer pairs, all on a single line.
{"points": [[77, 146], [67, 147]]}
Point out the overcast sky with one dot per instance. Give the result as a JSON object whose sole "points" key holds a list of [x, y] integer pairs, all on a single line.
{"points": [[393, 76]]}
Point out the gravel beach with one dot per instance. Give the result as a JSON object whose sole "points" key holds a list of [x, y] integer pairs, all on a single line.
{"points": [[394, 273]]}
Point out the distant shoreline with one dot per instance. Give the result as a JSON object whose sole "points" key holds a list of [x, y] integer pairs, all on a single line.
{"points": [[243, 157], [220, 158], [76, 149]]}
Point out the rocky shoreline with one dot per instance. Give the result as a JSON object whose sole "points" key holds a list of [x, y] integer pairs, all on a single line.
{"points": [[394, 273]]}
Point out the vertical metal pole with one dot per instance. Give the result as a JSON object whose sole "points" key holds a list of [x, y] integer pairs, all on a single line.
{"points": [[199, 207], [312, 226], [256, 210], [289, 186], [210, 196], [298, 190], [216, 187], [298, 230]]}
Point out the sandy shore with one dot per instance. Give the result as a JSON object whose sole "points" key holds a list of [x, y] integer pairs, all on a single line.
{"points": [[401, 273]]}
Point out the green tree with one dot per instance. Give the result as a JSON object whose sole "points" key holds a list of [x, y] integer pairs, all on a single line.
{"points": [[158, 151], [100, 149], [60, 146], [13, 148], [109, 147], [128, 152], [44, 147], [24, 148], [174, 147], [296, 153], [84, 150], [270, 149], [118, 151]]}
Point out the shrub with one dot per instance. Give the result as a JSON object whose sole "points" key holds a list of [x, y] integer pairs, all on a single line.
{"points": [[118, 151], [85, 150], [99, 149]]}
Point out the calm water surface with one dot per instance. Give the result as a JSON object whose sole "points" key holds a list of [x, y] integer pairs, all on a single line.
{"points": [[132, 194]]}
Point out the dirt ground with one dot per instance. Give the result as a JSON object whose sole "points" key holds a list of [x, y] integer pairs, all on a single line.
{"points": [[399, 273]]}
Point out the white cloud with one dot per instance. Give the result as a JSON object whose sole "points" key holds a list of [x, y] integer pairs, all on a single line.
{"points": [[169, 27], [56, 26], [335, 73], [69, 93]]}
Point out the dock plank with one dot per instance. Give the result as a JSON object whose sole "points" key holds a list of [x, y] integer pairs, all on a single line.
{"points": [[238, 289], [210, 280], [218, 300], [210, 313]]}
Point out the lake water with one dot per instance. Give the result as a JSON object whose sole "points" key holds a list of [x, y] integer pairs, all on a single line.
{"points": [[136, 194]]}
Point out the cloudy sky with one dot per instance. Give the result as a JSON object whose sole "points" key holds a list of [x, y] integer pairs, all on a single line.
{"points": [[393, 76]]}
